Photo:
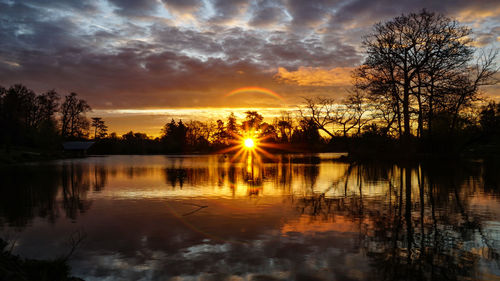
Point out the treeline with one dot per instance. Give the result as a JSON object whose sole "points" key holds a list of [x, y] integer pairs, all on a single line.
{"points": [[40, 120], [283, 133]]}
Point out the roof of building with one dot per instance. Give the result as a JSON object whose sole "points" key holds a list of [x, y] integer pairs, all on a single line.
{"points": [[77, 145]]}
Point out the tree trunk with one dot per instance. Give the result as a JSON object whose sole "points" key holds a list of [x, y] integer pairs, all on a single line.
{"points": [[406, 112]]}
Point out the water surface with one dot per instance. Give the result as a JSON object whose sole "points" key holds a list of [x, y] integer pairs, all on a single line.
{"points": [[298, 218]]}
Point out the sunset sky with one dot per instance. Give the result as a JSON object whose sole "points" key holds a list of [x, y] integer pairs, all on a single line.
{"points": [[139, 63]]}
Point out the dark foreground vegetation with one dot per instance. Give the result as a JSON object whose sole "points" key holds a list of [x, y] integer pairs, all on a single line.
{"points": [[15, 268], [418, 93]]}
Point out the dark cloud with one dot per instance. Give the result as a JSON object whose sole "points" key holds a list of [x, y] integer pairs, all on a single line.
{"points": [[365, 13], [226, 10], [174, 38], [135, 7], [265, 13], [309, 13], [80, 6], [183, 5], [132, 57]]}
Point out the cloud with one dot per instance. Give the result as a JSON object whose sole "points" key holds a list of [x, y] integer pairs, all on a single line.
{"points": [[309, 13], [183, 5], [132, 54], [86, 6], [134, 7], [483, 39], [266, 13], [227, 10], [310, 76]]}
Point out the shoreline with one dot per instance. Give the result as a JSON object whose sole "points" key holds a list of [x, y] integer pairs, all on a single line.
{"points": [[23, 157]]}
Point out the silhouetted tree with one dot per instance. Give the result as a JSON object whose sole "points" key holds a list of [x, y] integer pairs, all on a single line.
{"points": [[331, 117], [100, 129], [220, 135], [232, 126], [174, 136], [268, 133], [199, 135], [306, 133], [284, 126], [74, 123], [252, 121], [321, 112], [490, 118], [418, 62], [26, 118]]}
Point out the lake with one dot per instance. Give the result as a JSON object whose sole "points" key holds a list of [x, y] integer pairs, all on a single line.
{"points": [[300, 217]]}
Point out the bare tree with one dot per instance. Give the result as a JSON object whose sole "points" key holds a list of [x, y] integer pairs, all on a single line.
{"points": [[352, 112], [331, 117], [284, 125], [321, 111], [413, 60], [74, 122]]}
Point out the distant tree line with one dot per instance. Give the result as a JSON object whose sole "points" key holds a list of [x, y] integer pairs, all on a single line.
{"points": [[44, 120], [285, 131]]}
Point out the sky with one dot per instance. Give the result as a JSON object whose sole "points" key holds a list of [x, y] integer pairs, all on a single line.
{"points": [[140, 63]]}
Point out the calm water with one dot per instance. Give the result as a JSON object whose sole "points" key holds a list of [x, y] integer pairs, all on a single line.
{"points": [[301, 218]]}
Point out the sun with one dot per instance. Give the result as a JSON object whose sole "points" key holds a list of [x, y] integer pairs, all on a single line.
{"points": [[249, 143], [248, 146]]}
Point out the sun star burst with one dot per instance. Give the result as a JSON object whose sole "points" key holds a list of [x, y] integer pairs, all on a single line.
{"points": [[249, 143]]}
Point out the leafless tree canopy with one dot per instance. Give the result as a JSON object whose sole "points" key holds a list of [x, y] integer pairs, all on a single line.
{"points": [[420, 67]]}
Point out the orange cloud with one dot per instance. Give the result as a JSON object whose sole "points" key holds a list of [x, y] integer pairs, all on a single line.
{"points": [[478, 14], [315, 76]]}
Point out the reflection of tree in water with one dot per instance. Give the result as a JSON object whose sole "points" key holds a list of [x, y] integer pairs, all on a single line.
{"points": [[491, 176], [23, 197], [100, 178], [33, 191], [311, 173], [285, 173], [175, 175], [75, 182], [134, 172], [250, 175], [422, 228]]}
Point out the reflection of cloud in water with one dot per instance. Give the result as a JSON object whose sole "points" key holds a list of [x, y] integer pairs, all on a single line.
{"points": [[289, 257], [310, 220]]}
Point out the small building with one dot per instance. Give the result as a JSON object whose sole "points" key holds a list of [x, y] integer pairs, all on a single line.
{"points": [[77, 147]]}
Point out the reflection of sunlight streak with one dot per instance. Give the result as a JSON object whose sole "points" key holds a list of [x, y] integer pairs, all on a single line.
{"points": [[267, 154], [247, 145]]}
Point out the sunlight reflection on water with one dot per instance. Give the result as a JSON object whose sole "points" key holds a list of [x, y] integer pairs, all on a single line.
{"points": [[304, 217]]}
